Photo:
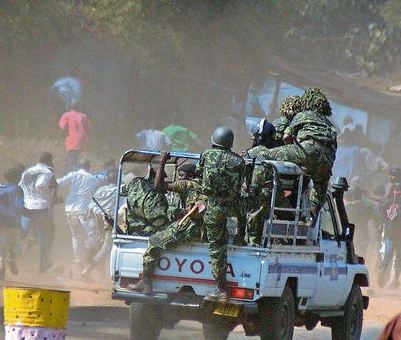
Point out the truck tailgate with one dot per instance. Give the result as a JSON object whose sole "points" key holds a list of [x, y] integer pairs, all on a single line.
{"points": [[188, 265]]}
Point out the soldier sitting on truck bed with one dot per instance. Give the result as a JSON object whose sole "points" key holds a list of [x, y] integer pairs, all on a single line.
{"points": [[187, 229], [311, 142], [176, 202], [261, 179], [146, 205]]}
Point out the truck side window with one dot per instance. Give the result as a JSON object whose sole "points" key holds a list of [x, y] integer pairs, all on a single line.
{"points": [[326, 223]]}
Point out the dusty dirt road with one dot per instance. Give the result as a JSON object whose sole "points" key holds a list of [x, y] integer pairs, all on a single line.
{"points": [[192, 330]]}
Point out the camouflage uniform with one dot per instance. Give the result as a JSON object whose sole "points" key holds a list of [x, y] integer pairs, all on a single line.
{"points": [[280, 124], [315, 145], [147, 207], [261, 180], [175, 207], [255, 151], [289, 107], [223, 173], [178, 232], [254, 201]]}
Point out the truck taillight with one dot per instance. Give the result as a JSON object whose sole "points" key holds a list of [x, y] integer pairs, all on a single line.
{"points": [[361, 260], [242, 293]]}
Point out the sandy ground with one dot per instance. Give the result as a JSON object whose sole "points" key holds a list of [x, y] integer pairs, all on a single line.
{"points": [[193, 330], [95, 324]]}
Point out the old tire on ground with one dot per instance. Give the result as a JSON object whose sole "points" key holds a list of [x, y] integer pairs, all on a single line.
{"points": [[349, 326], [144, 321], [217, 329], [277, 317]]}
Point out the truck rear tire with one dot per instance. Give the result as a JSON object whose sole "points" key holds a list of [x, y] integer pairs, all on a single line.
{"points": [[277, 317], [217, 329], [349, 326], [144, 321]]}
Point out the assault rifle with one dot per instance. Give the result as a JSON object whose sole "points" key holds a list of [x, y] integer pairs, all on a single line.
{"points": [[107, 217]]}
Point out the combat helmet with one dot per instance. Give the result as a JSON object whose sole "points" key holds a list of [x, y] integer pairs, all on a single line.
{"points": [[290, 106], [261, 130], [314, 100], [223, 136]]}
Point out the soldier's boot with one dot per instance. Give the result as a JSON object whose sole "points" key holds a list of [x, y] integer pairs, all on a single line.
{"points": [[144, 286], [219, 294]]}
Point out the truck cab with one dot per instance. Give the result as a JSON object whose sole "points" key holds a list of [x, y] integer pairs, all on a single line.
{"points": [[303, 272]]}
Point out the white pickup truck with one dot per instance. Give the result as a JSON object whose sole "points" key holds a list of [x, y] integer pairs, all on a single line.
{"points": [[300, 275]]}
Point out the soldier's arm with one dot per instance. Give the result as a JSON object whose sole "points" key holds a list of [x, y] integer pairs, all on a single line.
{"points": [[292, 129], [287, 139], [199, 167], [161, 173]]}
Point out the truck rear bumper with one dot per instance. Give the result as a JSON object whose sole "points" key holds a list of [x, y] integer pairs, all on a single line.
{"points": [[186, 300]]}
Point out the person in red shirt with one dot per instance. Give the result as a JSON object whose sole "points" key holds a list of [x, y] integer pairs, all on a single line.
{"points": [[76, 126]]}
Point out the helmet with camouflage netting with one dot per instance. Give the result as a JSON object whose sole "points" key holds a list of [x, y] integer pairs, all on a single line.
{"points": [[314, 100], [223, 136], [290, 106]]}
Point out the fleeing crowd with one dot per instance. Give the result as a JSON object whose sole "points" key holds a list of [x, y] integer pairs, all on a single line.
{"points": [[27, 208]]}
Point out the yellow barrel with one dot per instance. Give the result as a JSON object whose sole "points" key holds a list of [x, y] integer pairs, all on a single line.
{"points": [[36, 307]]}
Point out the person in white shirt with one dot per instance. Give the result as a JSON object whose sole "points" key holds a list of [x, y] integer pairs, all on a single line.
{"points": [[100, 241], [82, 185], [151, 139], [39, 187]]}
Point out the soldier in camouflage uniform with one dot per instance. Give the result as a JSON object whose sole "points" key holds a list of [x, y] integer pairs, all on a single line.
{"points": [[261, 180], [289, 107], [146, 205], [186, 230], [223, 174], [314, 145], [176, 204], [263, 139]]}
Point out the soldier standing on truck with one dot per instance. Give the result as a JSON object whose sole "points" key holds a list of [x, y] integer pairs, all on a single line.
{"points": [[223, 174], [311, 142], [260, 187], [147, 205], [187, 229], [263, 135]]}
